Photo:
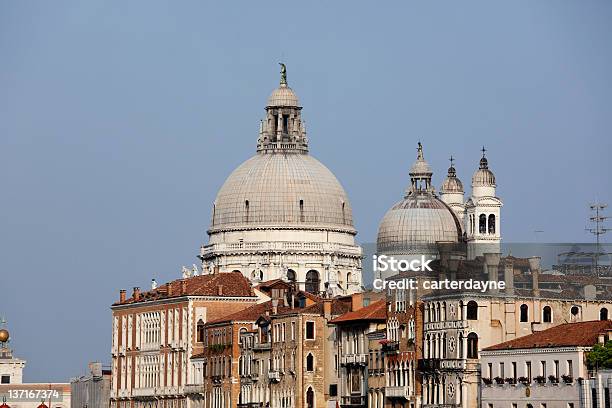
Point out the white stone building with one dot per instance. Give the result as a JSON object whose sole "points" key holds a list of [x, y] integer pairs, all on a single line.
{"points": [[283, 214], [545, 369]]}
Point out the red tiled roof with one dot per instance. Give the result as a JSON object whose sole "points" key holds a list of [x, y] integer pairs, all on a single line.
{"points": [[565, 335], [249, 314], [230, 284], [374, 311]]}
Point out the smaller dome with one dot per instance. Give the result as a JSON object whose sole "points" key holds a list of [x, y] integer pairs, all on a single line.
{"points": [[483, 177], [283, 96], [4, 335], [452, 185], [420, 167]]}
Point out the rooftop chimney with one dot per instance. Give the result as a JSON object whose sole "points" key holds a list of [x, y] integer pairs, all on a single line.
{"points": [[356, 301], [136, 293], [274, 306], [492, 264], [327, 308], [183, 287], [534, 266], [509, 277], [122, 296]]}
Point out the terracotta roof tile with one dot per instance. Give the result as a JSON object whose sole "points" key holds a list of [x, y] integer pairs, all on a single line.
{"points": [[374, 311], [565, 335], [230, 284]]}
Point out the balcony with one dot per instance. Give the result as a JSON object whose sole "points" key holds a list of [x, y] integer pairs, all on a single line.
{"points": [[143, 392], [397, 392], [354, 359], [390, 347], [262, 347], [353, 401], [274, 376], [194, 389], [429, 364], [207, 251]]}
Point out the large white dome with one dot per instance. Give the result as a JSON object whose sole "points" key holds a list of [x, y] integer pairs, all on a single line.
{"points": [[279, 190]]}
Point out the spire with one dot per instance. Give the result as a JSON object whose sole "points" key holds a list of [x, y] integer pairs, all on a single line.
{"points": [[484, 163], [451, 169]]}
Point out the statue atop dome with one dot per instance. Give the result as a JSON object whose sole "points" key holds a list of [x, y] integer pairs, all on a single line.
{"points": [[283, 72]]}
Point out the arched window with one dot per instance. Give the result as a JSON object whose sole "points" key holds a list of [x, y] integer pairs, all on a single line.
{"points": [[246, 210], [309, 362], [482, 224], [472, 345], [575, 313], [291, 277], [313, 281], [524, 313], [257, 274], [200, 331], [603, 314], [491, 223], [472, 310], [310, 398], [301, 210], [547, 314]]}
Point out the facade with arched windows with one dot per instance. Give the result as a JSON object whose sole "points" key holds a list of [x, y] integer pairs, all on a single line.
{"points": [[282, 214]]}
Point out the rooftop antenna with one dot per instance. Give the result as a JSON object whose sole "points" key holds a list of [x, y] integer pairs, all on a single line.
{"points": [[598, 219]]}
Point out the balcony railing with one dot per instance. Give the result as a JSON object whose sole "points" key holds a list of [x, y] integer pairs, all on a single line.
{"points": [[274, 376], [353, 401], [262, 346], [273, 246], [397, 392], [194, 389], [390, 347], [354, 359]]}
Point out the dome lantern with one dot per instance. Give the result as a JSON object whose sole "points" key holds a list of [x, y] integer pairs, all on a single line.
{"points": [[283, 128], [420, 174]]}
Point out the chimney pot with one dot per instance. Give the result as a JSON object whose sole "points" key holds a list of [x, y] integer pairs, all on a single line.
{"points": [[122, 295], [183, 287], [136, 293], [356, 301]]}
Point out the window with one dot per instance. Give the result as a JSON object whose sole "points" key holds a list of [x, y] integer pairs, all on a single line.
{"points": [[333, 390], [5, 379], [570, 405], [514, 375], [291, 277], [501, 370], [200, 331], [528, 370], [570, 368], [310, 330], [472, 310], [472, 345], [482, 224], [524, 313], [313, 281], [490, 366], [547, 314], [310, 398], [603, 314], [557, 369], [491, 223], [309, 362], [543, 368]]}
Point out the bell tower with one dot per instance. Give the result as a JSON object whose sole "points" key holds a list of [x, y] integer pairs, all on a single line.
{"points": [[482, 213]]}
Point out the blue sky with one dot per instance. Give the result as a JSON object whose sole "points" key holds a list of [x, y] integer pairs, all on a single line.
{"points": [[119, 121]]}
